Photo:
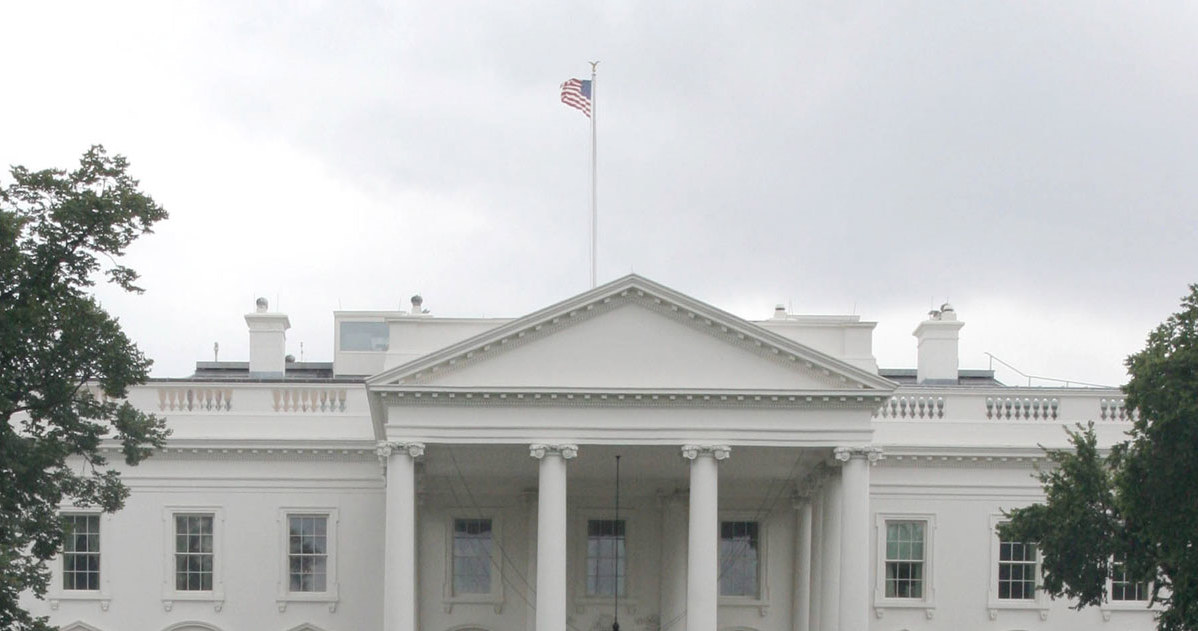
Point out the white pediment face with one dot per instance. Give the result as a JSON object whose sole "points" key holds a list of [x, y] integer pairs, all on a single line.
{"points": [[633, 343]]}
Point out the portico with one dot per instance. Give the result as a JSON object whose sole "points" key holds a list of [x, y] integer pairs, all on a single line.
{"points": [[725, 428]]}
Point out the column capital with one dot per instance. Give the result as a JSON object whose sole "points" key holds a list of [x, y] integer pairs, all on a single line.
{"points": [[565, 450], [719, 452], [385, 448], [868, 452], [813, 482]]}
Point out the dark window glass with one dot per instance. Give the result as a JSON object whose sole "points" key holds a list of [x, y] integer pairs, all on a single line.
{"points": [[739, 558]]}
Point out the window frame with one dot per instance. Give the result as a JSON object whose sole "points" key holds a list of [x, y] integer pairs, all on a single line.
{"points": [[332, 593], [578, 539], [587, 558], [170, 594], [56, 592], [762, 601], [928, 600], [495, 597], [1038, 602], [1110, 605]]}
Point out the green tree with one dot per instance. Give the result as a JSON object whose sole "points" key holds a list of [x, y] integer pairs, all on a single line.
{"points": [[65, 364], [1139, 503]]}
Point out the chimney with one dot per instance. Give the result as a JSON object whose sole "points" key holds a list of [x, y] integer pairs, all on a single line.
{"points": [[268, 338], [417, 304], [938, 336]]}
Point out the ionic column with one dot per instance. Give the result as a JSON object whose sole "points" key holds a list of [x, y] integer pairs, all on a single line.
{"points": [[673, 563], [854, 538], [551, 534], [817, 571], [399, 570], [703, 544], [801, 609], [829, 610]]}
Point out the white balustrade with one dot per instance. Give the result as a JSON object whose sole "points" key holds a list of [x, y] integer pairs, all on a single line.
{"points": [[310, 400], [195, 399]]}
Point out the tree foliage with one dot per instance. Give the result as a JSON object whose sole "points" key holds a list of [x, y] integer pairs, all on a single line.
{"points": [[65, 364], [1139, 503]]}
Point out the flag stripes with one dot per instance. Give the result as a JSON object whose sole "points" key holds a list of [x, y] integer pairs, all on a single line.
{"points": [[577, 94]]}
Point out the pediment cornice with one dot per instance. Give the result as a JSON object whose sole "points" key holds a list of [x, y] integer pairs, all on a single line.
{"points": [[835, 375]]}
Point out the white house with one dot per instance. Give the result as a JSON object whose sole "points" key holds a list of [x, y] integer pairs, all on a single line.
{"points": [[454, 474]]}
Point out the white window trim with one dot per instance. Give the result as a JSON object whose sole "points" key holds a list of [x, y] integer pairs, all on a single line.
{"points": [[629, 600], [996, 604], [496, 597], [56, 593], [762, 602], [928, 601], [332, 594], [1110, 605], [169, 594]]}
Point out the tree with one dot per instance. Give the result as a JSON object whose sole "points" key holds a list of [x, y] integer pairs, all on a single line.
{"points": [[65, 364], [1138, 505]]}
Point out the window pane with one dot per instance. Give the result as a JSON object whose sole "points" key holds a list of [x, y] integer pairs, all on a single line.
{"points": [[365, 336], [605, 557], [81, 552], [472, 556], [738, 558]]}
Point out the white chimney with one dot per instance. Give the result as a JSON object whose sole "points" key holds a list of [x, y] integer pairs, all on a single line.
{"points": [[938, 337], [268, 340]]}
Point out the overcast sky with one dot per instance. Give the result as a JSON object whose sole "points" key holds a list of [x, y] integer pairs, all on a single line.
{"points": [[1032, 163]]}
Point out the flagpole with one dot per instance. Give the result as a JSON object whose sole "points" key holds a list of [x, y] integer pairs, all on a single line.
{"points": [[594, 175]]}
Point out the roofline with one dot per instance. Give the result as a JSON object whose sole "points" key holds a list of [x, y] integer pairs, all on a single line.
{"points": [[618, 287]]}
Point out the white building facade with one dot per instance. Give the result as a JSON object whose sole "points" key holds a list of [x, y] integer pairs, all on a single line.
{"points": [[447, 474]]}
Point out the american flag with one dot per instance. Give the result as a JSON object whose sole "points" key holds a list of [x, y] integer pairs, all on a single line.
{"points": [[577, 94]]}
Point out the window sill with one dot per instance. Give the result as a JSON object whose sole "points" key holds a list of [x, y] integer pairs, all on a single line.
{"points": [[881, 604], [745, 601], [997, 604], [581, 603], [80, 595], [216, 598], [493, 600], [1134, 606], [330, 598]]}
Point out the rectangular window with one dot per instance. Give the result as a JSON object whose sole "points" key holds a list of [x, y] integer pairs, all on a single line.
{"points": [[81, 552], [739, 560], [1016, 570], [905, 559], [605, 557], [193, 552], [1124, 589], [307, 553], [472, 556], [365, 336]]}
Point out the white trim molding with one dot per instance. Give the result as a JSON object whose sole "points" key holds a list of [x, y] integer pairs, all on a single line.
{"points": [[103, 596], [762, 602], [170, 595], [927, 602], [332, 593], [495, 598], [995, 604]]}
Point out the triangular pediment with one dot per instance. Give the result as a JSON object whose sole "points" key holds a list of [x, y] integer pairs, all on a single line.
{"points": [[631, 333]]}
